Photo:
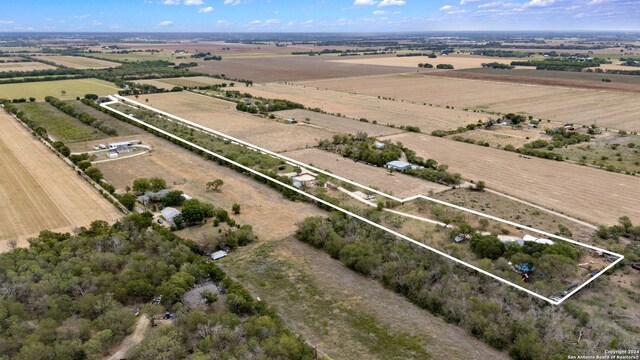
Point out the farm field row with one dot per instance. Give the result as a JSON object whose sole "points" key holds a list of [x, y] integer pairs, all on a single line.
{"points": [[59, 125], [606, 108], [24, 66], [79, 62], [39, 191], [396, 184], [334, 123], [590, 194], [169, 83], [188, 172], [222, 116], [398, 113], [458, 61], [62, 89]]}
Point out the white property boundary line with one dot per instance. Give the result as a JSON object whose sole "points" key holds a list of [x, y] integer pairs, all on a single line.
{"points": [[115, 99]]}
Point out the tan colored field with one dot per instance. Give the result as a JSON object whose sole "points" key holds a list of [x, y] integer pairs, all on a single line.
{"points": [[336, 124], [503, 135], [40, 192], [427, 118], [458, 61], [606, 108], [222, 116], [271, 215], [589, 194], [79, 62], [24, 66], [169, 83], [396, 184]]}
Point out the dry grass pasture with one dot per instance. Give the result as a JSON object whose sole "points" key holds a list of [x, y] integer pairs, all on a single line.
{"points": [[396, 184], [40, 192], [222, 116], [271, 215], [292, 68], [503, 135], [24, 66], [72, 89], [169, 83], [608, 108], [336, 124], [458, 61], [589, 194], [79, 62], [427, 118]]}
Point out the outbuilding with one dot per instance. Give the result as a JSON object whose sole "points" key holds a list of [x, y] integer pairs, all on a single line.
{"points": [[218, 255], [398, 165], [170, 213]]}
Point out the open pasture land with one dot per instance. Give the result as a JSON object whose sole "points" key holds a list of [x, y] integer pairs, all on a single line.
{"points": [[39, 191], [583, 80], [24, 66], [502, 136], [59, 125], [72, 89], [396, 184], [618, 110], [222, 116], [292, 68], [79, 62], [458, 61], [271, 215], [121, 127], [593, 195], [336, 124], [427, 118], [169, 83], [137, 56]]}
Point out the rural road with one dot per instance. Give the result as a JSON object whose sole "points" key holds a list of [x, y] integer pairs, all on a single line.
{"points": [[142, 326]]}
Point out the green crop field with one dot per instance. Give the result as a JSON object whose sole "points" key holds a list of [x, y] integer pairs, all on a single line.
{"points": [[59, 125], [63, 89]]}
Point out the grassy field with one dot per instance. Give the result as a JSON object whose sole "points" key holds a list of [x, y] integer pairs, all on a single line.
{"points": [[72, 89], [334, 123], [346, 315], [169, 83], [458, 61], [79, 62], [39, 191], [614, 152], [59, 125], [24, 66], [589, 194], [222, 116], [618, 110], [137, 56]]}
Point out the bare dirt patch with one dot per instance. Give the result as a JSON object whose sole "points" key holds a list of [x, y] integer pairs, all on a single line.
{"points": [[335, 124], [427, 118], [292, 68], [606, 108], [39, 191], [396, 184], [24, 66], [590, 194], [271, 215], [222, 116]]}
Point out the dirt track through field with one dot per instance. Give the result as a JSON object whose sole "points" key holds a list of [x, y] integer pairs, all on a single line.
{"points": [[40, 192], [593, 195]]}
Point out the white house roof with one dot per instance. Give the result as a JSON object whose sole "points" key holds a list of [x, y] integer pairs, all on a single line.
{"points": [[170, 213], [218, 254]]}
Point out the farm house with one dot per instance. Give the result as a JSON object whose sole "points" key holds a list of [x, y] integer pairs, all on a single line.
{"points": [[398, 165]]}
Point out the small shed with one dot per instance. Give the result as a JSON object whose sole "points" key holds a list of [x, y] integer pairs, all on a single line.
{"points": [[398, 165], [379, 145], [170, 213], [218, 255]]}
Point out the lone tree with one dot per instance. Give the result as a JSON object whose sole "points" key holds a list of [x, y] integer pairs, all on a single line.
{"points": [[236, 208], [151, 311], [215, 184], [480, 186]]}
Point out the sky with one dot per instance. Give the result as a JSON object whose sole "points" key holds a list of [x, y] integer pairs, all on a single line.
{"points": [[316, 15]]}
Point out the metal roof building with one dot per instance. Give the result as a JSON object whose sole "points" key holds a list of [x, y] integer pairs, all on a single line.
{"points": [[398, 165]]}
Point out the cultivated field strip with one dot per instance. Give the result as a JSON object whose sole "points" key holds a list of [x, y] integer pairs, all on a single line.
{"points": [[38, 190], [554, 301]]}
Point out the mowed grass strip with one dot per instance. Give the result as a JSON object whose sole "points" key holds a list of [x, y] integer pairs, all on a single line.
{"points": [[63, 89], [59, 125]]}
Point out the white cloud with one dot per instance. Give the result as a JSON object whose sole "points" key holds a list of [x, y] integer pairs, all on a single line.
{"points": [[171, 2], [6, 22], [464, 2], [166, 23], [364, 2], [539, 3], [193, 2], [308, 22], [207, 9], [232, 2], [596, 2], [391, 3], [446, 8], [379, 12], [272, 21]]}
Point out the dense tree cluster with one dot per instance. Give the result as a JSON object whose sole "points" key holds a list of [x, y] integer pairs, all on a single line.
{"points": [[444, 66], [497, 65], [361, 147], [70, 297], [561, 64], [505, 319]]}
